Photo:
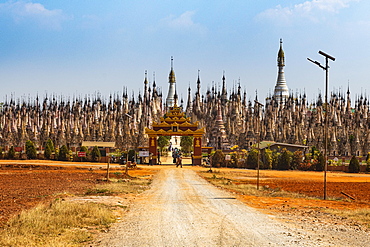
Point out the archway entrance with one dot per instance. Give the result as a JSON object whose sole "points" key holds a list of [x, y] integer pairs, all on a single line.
{"points": [[175, 123]]}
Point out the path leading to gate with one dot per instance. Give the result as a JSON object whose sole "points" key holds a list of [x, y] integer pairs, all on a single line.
{"points": [[182, 209]]}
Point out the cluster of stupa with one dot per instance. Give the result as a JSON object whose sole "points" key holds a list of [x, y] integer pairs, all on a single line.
{"points": [[228, 118], [119, 119]]}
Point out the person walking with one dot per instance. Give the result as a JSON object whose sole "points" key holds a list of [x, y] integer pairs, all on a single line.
{"points": [[179, 160]]}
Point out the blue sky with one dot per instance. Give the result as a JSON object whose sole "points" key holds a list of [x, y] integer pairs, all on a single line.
{"points": [[80, 47]]}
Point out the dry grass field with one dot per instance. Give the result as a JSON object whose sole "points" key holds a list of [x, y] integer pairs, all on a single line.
{"points": [[293, 193]]}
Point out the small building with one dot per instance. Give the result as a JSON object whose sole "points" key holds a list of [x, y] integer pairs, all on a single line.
{"points": [[278, 146], [104, 147]]}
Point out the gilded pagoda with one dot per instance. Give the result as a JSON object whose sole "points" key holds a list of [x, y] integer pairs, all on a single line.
{"points": [[175, 123]]}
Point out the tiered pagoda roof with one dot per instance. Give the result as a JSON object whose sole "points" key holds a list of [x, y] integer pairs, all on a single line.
{"points": [[175, 123]]}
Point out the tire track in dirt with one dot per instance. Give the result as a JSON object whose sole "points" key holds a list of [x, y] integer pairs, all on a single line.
{"points": [[181, 209]]}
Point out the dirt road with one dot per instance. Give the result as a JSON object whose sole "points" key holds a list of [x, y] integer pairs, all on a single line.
{"points": [[181, 209]]}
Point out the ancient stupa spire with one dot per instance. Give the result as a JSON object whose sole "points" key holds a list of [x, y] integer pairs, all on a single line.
{"points": [[170, 101], [188, 105], [198, 83], [281, 91]]}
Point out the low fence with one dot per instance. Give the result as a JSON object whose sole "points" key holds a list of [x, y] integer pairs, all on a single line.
{"points": [[344, 168]]}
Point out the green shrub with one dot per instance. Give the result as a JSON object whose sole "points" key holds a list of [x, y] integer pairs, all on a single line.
{"points": [[47, 152], [268, 159], [275, 159], [95, 154], [368, 162], [11, 153], [30, 150], [49, 149], [297, 160], [284, 160], [320, 164], [252, 159], [131, 155], [63, 153], [354, 165]]}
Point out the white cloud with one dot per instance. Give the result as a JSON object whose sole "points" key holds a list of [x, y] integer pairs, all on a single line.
{"points": [[184, 22], [22, 12], [314, 10]]}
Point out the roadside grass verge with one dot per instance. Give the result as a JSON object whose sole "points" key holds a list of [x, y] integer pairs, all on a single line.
{"points": [[67, 223], [120, 186], [361, 215], [59, 223], [224, 180], [219, 179]]}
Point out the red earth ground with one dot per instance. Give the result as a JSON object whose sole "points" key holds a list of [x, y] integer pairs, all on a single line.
{"points": [[24, 185], [308, 183]]}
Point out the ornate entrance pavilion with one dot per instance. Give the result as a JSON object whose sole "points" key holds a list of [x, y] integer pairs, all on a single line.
{"points": [[175, 123]]}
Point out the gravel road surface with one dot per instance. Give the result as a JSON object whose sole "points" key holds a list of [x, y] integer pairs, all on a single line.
{"points": [[182, 209]]}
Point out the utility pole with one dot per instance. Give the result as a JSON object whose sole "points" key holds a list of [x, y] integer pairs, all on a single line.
{"points": [[258, 147], [326, 68]]}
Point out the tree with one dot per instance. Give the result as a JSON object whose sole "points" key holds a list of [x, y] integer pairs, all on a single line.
{"points": [[163, 141], [131, 155], [95, 154], [354, 165], [284, 160], [47, 152], [268, 159], [314, 153], [320, 164], [30, 150], [63, 153], [11, 153], [51, 144], [49, 149], [186, 143], [252, 159], [368, 162], [275, 159], [297, 160]]}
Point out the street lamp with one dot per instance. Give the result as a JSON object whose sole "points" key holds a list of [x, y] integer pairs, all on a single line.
{"points": [[258, 147], [326, 68]]}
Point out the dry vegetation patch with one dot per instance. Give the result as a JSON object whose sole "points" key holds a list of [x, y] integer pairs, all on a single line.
{"points": [[360, 215], [298, 193], [59, 223], [63, 206]]}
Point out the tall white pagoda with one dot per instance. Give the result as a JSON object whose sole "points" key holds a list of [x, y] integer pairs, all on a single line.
{"points": [[170, 101], [281, 92]]}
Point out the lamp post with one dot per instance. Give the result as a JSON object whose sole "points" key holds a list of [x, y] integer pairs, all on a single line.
{"points": [[258, 147], [326, 68]]}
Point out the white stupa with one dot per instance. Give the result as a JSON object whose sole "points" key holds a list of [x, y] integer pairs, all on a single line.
{"points": [[170, 101], [281, 91]]}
